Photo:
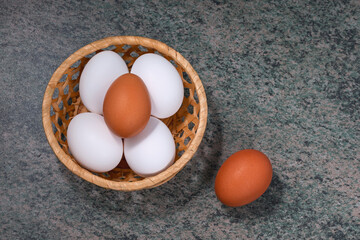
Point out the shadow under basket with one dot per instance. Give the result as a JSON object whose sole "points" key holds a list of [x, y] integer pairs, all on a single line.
{"points": [[62, 102]]}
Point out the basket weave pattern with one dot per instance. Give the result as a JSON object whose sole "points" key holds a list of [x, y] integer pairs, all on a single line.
{"points": [[62, 102]]}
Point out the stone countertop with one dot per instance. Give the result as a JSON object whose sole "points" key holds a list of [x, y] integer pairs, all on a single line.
{"points": [[280, 76]]}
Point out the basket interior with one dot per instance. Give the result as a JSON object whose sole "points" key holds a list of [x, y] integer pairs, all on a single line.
{"points": [[66, 104]]}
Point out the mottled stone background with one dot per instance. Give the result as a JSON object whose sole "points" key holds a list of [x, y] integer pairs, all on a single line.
{"points": [[280, 76]]}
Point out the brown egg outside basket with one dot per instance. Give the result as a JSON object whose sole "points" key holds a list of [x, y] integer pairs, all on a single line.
{"points": [[62, 102]]}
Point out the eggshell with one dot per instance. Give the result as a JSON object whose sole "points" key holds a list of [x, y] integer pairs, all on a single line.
{"points": [[152, 150], [243, 178], [92, 144], [127, 106], [163, 83], [97, 76]]}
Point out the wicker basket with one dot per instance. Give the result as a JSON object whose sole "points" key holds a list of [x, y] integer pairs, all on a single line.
{"points": [[62, 102]]}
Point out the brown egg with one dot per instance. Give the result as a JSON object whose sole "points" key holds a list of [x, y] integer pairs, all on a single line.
{"points": [[127, 106], [243, 178]]}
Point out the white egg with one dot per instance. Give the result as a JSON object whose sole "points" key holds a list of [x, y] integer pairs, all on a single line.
{"points": [[152, 150], [99, 73], [163, 82], [92, 144]]}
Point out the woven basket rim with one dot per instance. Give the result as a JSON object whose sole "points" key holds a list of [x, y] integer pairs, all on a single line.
{"points": [[148, 182]]}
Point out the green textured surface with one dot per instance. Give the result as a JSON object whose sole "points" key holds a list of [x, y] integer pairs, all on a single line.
{"points": [[280, 76]]}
